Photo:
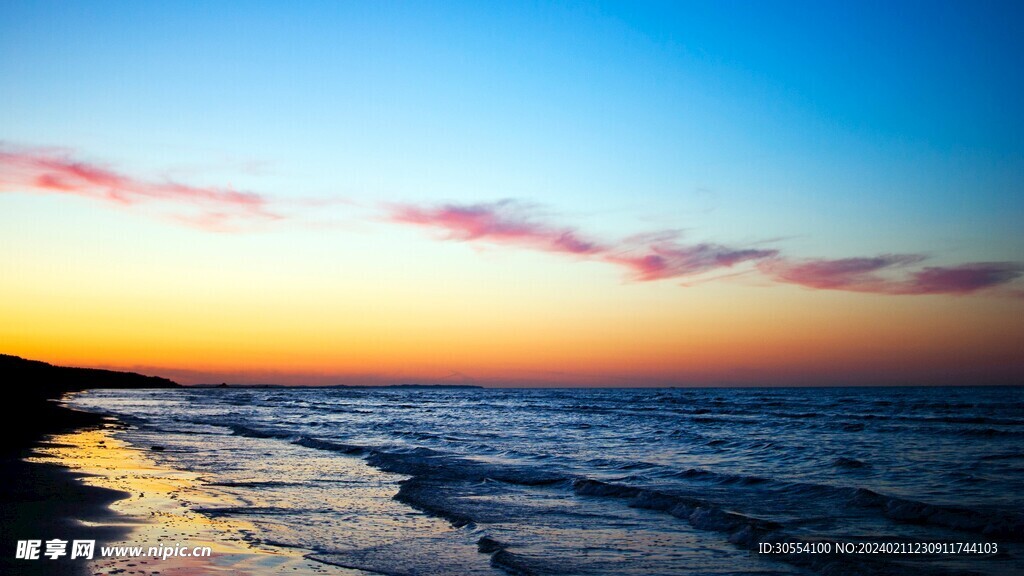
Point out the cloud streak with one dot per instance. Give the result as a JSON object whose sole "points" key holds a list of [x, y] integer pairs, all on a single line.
{"points": [[644, 258], [890, 274], [962, 279], [671, 259], [50, 170], [504, 222], [852, 274], [650, 257], [662, 255]]}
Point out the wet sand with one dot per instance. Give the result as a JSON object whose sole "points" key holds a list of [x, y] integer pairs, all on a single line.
{"points": [[66, 476], [44, 501], [158, 508]]}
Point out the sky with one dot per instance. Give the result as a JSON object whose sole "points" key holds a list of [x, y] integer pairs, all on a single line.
{"points": [[515, 194]]}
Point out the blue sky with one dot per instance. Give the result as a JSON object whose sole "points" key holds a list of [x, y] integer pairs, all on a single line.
{"points": [[824, 130], [637, 107]]}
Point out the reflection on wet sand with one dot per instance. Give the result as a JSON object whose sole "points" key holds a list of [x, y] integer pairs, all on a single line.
{"points": [[160, 509]]}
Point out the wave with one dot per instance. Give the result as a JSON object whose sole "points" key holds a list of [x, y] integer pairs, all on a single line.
{"points": [[428, 497], [514, 564], [327, 445], [621, 465], [719, 477], [997, 524], [849, 463], [724, 419], [527, 475], [434, 464], [987, 432], [1009, 456], [440, 554], [433, 467], [249, 432], [255, 484], [742, 530], [417, 461]]}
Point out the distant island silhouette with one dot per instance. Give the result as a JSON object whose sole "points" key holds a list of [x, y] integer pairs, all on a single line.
{"points": [[353, 386]]}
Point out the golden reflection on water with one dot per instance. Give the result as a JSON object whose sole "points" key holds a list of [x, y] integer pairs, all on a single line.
{"points": [[159, 509]]}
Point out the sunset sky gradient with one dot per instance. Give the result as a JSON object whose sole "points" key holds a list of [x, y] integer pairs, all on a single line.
{"points": [[515, 194]]}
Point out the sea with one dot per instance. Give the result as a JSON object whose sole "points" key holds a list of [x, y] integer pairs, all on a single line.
{"points": [[425, 481]]}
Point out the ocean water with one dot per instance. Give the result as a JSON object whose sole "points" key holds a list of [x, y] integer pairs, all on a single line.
{"points": [[595, 481]]}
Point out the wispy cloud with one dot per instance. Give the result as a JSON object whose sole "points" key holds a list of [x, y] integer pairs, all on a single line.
{"points": [[962, 279], [647, 257], [504, 222], [853, 274], [892, 274], [663, 255], [671, 259], [58, 171]]}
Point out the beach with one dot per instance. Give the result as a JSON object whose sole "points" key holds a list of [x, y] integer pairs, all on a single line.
{"points": [[48, 500], [68, 477], [79, 482], [150, 514], [584, 288], [421, 481]]}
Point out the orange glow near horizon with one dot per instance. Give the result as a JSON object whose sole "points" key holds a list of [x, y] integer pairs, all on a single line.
{"points": [[618, 335]]}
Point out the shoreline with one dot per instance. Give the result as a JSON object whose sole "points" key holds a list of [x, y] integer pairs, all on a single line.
{"points": [[275, 490], [161, 509], [68, 476], [42, 500], [76, 480]]}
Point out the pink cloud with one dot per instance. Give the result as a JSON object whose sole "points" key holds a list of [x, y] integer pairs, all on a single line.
{"points": [[504, 222], [669, 259], [661, 255], [853, 274], [57, 171], [889, 274], [962, 279], [650, 257], [647, 257]]}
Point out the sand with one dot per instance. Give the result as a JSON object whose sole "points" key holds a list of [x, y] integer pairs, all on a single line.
{"points": [[154, 513]]}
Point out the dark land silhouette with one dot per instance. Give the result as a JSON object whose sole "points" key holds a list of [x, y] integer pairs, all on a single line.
{"points": [[44, 501]]}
